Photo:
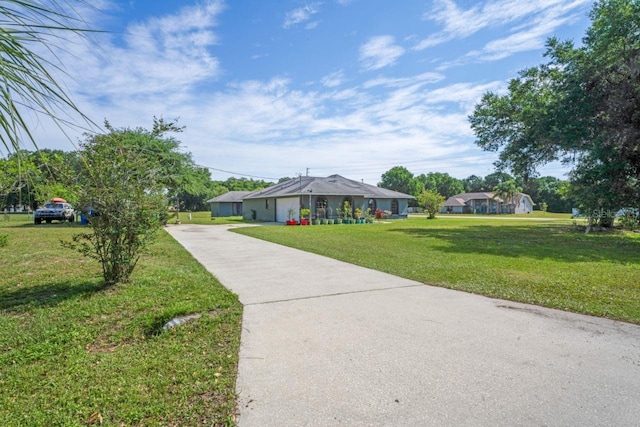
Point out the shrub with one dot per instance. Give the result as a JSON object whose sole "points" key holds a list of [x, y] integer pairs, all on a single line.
{"points": [[124, 184], [629, 221]]}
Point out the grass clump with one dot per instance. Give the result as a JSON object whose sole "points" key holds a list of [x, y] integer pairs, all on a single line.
{"points": [[73, 352], [549, 263]]}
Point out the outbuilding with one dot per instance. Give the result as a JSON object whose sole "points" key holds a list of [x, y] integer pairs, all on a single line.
{"points": [[227, 204]]}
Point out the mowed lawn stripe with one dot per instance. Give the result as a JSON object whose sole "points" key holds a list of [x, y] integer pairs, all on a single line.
{"points": [[549, 263]]}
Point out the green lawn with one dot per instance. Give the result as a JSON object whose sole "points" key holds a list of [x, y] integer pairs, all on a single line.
{"points": [[204, 218], [548, 263], [72, 353]]}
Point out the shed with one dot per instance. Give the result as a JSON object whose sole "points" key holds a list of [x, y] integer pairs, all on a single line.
{"points": [[227, 204]]}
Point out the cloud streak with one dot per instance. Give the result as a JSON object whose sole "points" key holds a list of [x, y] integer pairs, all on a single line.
{"points": [[459, 23], [300, 15], [380, 52]]}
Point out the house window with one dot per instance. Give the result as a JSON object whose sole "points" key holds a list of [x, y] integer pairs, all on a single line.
{"points": [[321, 207], [394, 207], [266, 204]]}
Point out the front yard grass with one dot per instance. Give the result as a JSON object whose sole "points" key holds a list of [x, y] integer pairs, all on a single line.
{"points": [[73, 353], [548, 263], [204, 218]]}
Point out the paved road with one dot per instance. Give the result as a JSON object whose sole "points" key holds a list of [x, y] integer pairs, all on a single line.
{"points": [[327, 343]]}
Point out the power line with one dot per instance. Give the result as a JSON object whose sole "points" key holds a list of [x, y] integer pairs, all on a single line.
{"points": [[434, 161], [237, 173]]}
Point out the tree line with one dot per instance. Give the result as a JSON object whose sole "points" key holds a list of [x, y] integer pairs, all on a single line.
{"points": [[30, 178], [547, 192]]}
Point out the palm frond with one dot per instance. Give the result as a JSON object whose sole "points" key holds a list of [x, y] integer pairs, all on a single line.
{"points": [[26, 82]]}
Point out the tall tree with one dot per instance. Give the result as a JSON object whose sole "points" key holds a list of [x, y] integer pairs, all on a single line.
{"points": [[549, 190], [398, 178], [496, 178], [508, 192], [474, 184], [441, 183], [582, 107], [17, 172]]}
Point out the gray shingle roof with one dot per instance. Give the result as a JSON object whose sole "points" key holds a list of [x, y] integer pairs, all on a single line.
{"points": [[334, 185], [230, 197]]}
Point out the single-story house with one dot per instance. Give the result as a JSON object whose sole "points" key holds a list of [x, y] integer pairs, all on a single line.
{"points": [[484, 203], [227, 204], [323, 196]]}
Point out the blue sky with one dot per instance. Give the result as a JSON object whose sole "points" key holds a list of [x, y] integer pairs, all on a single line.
{"points": [[270, 88]]}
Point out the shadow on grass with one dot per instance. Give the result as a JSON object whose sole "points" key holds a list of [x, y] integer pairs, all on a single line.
{"points": [[560, 243], [46, 295], [52, 225]]}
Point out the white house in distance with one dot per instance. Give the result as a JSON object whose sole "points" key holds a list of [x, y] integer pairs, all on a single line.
{"points": [[487, 203]]}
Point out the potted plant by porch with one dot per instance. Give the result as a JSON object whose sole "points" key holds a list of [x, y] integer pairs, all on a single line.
{"points": [[338, 219], [304, 215], [347, 213], [321, 214], [368, 217], [379, 214], [358, 215], [291, 220], [329, 215]]}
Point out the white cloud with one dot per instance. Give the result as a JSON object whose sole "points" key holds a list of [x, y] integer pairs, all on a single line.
{"points": [[312, 25], [529, 36], [459, 23], [165, 55], [334, 79], [255, 124], [403, 81], [465, 95], [379, 52], [301, 14]]}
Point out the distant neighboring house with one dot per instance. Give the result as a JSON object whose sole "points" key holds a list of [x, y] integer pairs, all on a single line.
{"points": [[227, 204], [323, 196], [486, 203]]}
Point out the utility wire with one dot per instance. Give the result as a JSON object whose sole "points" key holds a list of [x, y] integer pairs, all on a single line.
{"points": [[237, 173]]}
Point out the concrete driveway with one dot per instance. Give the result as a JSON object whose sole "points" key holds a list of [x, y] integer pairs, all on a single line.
{"points": [[327, 343]]}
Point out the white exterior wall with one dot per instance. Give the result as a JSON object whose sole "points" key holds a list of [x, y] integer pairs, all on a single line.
{"points": [[282, 208], [524, 207]]}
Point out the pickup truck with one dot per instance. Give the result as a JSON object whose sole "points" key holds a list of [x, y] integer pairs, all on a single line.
{"points": [[58, 211]]}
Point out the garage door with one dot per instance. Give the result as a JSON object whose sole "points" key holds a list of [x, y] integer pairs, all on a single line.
{"points": [[283, 206]]}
